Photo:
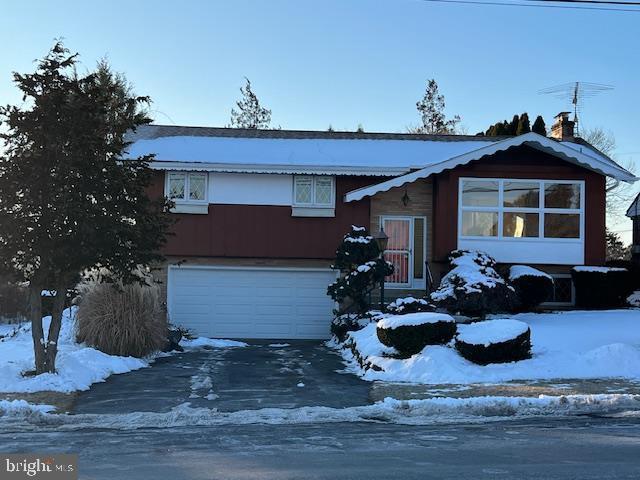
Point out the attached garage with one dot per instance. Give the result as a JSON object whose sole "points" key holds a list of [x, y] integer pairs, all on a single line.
{"points": [[251, 302]]}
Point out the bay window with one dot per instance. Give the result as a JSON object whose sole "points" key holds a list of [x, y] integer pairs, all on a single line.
{"points": [[521, 209]]}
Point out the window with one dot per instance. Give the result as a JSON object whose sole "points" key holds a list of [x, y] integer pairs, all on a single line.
{"points": [[313, 191], [563, 291], [514, 209], [187, 187]]}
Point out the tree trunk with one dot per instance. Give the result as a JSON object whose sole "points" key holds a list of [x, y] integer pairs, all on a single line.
{"points": [[51, 347], [37, 333]]}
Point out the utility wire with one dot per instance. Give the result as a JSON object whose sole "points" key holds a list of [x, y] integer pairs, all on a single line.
{"points": [[534, 5], [601, 2]]}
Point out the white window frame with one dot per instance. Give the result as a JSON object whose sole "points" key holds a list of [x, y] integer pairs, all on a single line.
{"points": [[314, 179], [187, 180], [500, 209], [413, 283]]}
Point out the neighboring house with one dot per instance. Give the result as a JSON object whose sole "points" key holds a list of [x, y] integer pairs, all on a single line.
{"points": [[633, 212], [260, 213]]}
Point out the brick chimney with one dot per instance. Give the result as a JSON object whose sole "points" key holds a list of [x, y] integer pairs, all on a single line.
{"points": [[562, 128]]}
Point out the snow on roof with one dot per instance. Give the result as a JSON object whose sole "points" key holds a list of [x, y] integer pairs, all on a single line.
{"points": [[634, 208], [573, 154], [285, 151]]}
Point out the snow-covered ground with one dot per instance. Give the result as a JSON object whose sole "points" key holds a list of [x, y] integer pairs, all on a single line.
{"points": [[78, 366], [566, 345]]}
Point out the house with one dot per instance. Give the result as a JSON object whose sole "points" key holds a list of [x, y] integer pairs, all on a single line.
{"points": [[633, 212], [260, 212]]}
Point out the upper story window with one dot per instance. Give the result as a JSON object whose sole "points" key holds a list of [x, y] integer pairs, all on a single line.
{"points": [[186, 187], [512, 209], [314, 191]]}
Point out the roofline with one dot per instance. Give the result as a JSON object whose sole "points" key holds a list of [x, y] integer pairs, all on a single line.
{"points": [[280, 168], [181, 130], [532, 139]]}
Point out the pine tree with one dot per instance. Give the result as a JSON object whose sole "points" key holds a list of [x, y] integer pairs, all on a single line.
{"points": [[616, 249], [539, 127], [523, 124], [250, 113], [513, 126], [360, 128], [68, 202], [431, 109]]}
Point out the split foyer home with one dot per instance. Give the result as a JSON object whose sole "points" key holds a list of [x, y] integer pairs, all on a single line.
{"points": [[260, 213]]}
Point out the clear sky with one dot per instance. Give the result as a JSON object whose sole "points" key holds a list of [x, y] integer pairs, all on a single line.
{"points": [[344, 62]]}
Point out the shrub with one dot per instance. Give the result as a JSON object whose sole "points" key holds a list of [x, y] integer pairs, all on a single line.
{"points": [[409, 334], [13, 302], [343, 324], [473, 287], [357, 256], [494, 341], [532, 286], [117, 319], [403, 306], [601, 287]]}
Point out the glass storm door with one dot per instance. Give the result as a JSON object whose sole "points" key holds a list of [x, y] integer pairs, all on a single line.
{"points": [[398, 249]]}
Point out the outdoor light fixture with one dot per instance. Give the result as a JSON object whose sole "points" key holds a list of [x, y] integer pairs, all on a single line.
{"points": [[382, 240], [405, 198]]}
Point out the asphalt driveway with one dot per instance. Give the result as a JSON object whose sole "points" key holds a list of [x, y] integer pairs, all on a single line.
{"points": [[279, 374]]}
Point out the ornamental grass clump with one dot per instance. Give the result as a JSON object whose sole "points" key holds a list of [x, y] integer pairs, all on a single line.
{"points": [[119, 319]]}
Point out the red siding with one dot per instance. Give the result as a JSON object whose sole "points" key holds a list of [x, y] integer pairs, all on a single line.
{"points": [[266, 231], [519, 162]]}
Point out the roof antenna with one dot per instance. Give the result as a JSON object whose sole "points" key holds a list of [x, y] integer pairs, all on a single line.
{"points": [[576, 93]]}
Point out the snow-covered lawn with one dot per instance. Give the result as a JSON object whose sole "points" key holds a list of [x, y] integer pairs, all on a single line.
{"points": [[566, 345], [78, 366]]}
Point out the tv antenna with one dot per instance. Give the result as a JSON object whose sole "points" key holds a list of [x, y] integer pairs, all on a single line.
{"points": [[576, 93]]}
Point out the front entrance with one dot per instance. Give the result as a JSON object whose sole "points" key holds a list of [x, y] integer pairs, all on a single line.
{"points": [[406, 249]]}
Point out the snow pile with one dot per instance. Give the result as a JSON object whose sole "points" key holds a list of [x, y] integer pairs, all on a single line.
{"points": [[21, 408], [78, 366], [430, 411], [204, 342], [491, 331], [569, 345], [587, 268], [517, 271], [413, 319], [634, 299]]}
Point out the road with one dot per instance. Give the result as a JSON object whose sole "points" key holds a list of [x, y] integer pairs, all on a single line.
{"points": [[575, 448]]}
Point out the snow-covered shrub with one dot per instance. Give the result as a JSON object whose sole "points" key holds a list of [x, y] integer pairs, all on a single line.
{"points": [[357, 256], [601, 287], [634, 299], [473, 287], [410, 333], [532, 286], [494, 341], [403, 306], [349, 322], [117, 319]]}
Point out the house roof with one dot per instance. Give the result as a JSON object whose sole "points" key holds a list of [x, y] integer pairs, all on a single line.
{"points": [[576, 153], [634, 208], [296, 151], [337, 153]]}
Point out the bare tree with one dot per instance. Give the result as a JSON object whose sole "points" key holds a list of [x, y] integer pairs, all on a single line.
{"points": [[619, 194]]}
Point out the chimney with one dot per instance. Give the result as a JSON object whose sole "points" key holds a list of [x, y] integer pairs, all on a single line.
{"points": [[562, 128]]}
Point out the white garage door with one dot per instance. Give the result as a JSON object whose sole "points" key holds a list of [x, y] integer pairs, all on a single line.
{"points": [[251, 302]]}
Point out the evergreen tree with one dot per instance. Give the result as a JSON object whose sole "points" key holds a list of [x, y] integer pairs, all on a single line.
{"points": [[250, 113], [539, 126], [68, 202], [360, 128], [616, 249], [513, 126], [523, 124], [431, 109]]}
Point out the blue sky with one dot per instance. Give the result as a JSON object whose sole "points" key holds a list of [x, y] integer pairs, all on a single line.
{"points": [[344, 62]]}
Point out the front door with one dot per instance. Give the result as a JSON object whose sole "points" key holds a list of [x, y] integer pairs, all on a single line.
{"points": [[398, 252]]}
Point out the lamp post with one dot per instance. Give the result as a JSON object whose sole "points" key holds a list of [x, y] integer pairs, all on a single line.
{"points": [[381, 239]]}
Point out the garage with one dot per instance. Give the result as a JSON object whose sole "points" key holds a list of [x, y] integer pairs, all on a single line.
{"points": [[251, 302]]}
